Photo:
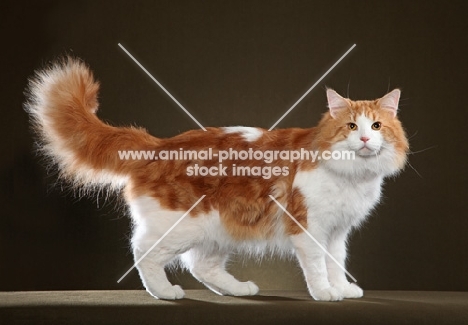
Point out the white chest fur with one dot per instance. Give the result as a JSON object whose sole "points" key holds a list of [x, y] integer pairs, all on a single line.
{"points": [[335, 201]]}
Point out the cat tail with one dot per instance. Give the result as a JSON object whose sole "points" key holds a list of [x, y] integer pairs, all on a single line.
{"points": [[62, 102]]}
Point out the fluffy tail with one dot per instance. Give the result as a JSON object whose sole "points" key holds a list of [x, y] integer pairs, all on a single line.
{"points": [[62, 103]]}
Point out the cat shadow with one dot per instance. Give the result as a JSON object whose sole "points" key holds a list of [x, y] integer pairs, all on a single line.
{"points": [[265, 299], [261, 298]]}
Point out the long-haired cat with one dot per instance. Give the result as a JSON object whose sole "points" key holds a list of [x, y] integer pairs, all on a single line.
{"points": [[328, 197]]}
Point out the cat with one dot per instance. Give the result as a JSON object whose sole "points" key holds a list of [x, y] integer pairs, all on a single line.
{"points": [[327, 197]]}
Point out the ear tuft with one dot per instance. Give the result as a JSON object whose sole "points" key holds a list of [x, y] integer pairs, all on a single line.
{"points": [[335, 102], [390, 101]]}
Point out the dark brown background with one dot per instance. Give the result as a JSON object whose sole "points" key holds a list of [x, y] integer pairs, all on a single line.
{"points": [[240, 63]]}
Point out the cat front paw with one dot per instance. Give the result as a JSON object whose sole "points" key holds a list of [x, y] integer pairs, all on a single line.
{"points": [[167, 293], [327, 294], [351, 290]]}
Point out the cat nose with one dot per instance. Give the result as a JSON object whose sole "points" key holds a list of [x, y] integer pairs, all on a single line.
{"points": [[364, 139]]}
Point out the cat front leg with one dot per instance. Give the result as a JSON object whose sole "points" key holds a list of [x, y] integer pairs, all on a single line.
{"points": [[336, 275], [312, 261]]}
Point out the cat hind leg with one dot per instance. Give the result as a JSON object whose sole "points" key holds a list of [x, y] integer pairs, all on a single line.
{"points": [[156, 244], [209, 268], [153, 275]]}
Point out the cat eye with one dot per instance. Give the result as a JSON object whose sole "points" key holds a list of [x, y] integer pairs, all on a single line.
{"points": [[376, 126], [352, 126]]}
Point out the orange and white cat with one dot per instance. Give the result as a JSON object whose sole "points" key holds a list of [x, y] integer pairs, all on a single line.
{"points": [[327, 197]]}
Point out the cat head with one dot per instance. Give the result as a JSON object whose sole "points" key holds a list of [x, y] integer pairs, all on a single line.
{"points": [[368, 128]]}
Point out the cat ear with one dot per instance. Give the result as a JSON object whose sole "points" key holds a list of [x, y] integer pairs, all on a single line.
{"points": [[335, 102], [390, 101]]}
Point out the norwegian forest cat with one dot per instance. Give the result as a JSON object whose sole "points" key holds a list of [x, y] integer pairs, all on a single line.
{"points": [[326, 197]]}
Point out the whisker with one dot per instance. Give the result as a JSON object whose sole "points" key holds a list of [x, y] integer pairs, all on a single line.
{"points": [[385, 145], [378, 160], [414, 134], [393, 141], [409, 164], [419, 151]]}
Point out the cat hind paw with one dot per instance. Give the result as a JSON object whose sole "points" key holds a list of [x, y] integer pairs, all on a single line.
{"points": [[245, 289], [237, 289], [168, 293]]}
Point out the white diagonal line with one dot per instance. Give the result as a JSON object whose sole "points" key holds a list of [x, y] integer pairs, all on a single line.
{"points": [[162, 87], [313, 86], [313, 238], [163, 236]]}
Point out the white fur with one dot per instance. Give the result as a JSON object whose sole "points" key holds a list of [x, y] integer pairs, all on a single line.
{"points": [[202, 244], [335, 205], [338, 196], [250, 134]]}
